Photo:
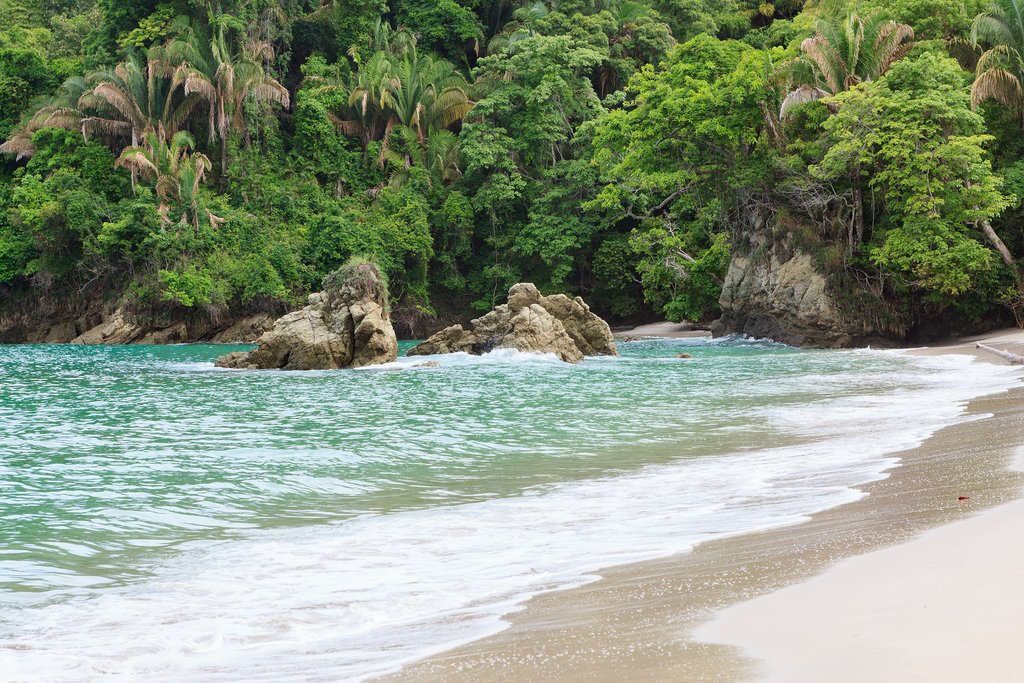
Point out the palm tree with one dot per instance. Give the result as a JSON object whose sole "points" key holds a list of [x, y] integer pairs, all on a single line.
{"points": [[629, 18], [136, 98], [428, 93], [60, 111], [496, 14], [763, 12], [999, 70], [524, 25], [178, 172], [399, 88], [438, 155], [122, 105], [370, 99], [223, 78], [844, 52]]}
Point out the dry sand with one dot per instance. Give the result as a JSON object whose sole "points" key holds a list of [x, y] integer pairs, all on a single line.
{"points": [[920, 598], [946, 606]]}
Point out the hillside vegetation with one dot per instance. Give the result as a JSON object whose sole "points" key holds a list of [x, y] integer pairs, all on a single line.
{"points": [[210, 156]]}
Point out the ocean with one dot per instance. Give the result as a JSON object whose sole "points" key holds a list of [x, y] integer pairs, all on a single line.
{"points": [[164, 520]]}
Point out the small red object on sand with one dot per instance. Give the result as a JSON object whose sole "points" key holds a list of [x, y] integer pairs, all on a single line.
{"points": [[962, 498]]}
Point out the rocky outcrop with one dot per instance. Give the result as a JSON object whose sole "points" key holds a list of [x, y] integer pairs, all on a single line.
{"points": [[346, 325], [781, 296], [122, 327], [246, 330], [91, 321], [529, 322]]}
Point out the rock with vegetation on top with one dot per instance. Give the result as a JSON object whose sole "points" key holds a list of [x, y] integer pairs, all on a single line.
{"points": [[529, 322], [346, 325]]}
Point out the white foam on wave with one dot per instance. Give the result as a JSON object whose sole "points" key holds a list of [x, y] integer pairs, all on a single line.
{"points": [[494, 357], [357, 598], [497, 356]]}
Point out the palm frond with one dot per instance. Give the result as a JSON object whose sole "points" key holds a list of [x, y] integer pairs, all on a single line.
{"points": [[19, 144], [801, 95], [271, 91], [999, 85], [138, 159]]}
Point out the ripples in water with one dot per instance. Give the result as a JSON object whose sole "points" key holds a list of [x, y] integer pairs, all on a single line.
{"points": [[174, 520]]}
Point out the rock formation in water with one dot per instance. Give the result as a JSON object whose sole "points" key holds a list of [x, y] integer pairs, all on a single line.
{"points": [[346, 325], [773, 292], [529, 322]]}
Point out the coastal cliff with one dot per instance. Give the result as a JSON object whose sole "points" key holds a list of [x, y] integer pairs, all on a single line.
{"points": [[772, 291]]}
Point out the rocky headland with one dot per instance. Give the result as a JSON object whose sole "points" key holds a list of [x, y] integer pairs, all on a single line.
{"points": [[773, 291]]}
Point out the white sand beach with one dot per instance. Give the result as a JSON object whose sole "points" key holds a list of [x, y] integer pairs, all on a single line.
{"points": [[944, 607]]}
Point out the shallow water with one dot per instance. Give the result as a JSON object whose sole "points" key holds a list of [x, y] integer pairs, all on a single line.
{"points": [[166, 520]]}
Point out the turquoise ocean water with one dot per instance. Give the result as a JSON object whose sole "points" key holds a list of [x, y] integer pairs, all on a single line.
{"points": [[161, 519]]}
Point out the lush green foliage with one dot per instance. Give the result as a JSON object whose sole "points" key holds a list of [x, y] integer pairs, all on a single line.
{"points": [[913, 135], [227, 154]]}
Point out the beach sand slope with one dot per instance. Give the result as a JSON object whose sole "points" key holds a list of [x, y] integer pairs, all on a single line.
{"points": [[944, 607]]}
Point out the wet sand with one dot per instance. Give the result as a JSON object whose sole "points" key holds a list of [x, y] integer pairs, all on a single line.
{"points": [[637, 623], [945, 606]]}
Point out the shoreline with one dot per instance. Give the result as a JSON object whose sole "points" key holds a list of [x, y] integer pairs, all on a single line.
{"points": [[944, 605], [637, 622]]}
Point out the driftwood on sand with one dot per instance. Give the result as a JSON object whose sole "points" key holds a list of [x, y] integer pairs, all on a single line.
{"points": [[1005, 355]]}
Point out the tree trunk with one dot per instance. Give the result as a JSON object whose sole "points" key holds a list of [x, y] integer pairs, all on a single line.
{"points": [[1011, 358], [858, 206], [991, 236]]}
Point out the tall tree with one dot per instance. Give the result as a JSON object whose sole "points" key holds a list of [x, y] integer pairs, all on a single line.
{"points": [[226, 78], [999, 71], [922, 150], [844, 51], [136, 98], [400, 87], [176, 169], [59, 111]]}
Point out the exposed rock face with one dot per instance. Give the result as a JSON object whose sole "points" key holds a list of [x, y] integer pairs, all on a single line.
{"points": [[121, 327], [246, 330], [529, 322], [346, 325], [786, 299], [118, 328]]}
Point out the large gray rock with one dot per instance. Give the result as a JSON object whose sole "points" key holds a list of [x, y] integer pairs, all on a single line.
{"points": [[779, 294], [346, 325], [529, 322]]}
